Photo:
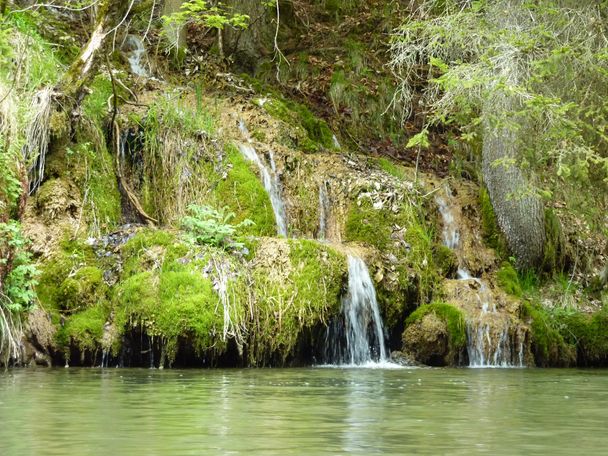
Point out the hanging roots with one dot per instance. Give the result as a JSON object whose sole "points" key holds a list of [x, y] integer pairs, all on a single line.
{"points": [[11, 333], [37, 137]]}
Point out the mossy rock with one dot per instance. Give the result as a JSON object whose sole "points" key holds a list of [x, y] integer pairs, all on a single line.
{"points": [[446, 260], [304, 294], [85, 288], [317, 134], [588, 333], [84, 330], [243, 192], [435, 334], [548, 344]]}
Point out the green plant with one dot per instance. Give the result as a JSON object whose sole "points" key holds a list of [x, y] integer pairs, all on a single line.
{"points": [[453, 318], [206, 225]]}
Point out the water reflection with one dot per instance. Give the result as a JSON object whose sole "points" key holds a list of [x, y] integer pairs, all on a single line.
{"points": [[302, 412]]}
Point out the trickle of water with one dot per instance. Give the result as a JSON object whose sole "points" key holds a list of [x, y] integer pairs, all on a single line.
{"points": [[324, 210], [270, 179], [136, 53], [336, 142], [490, 338], [358, 339]]}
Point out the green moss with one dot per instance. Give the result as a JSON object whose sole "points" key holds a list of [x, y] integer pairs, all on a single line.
{"points": [[391, 168], [370, 226], [85, 329], [553, 259], [287, 306], [452, 316], [95, 105], [489, 226], [146, 250], [508, 279], [71, 257], [84, 289], [587, 333], [243, 192], [318, 134], [445, 259], [548, 344], [415, 275]]}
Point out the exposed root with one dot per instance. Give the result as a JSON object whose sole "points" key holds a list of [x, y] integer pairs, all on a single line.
{"points": [[11, 333], [37, 137], [125, 186]]}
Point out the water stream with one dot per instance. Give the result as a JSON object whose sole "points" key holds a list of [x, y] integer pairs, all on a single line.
{"points": [[269, 176], [491, 339], [358, 338], [136, 55]]}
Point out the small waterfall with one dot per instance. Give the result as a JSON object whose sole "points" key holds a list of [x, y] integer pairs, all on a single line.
{"points": [[358, 338], [491, 340], [324, 210], [136, 54], [269, 177], [335, 142]]}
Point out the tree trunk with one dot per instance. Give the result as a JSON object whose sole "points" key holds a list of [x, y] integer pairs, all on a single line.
{"points": [[519, 211], [72, 85], [248, 46]]}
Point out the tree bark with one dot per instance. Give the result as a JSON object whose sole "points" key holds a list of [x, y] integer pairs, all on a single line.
{"points": [[519, 211], [71, 88]]}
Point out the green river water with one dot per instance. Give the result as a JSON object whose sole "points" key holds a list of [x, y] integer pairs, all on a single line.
{"points": [[315, 411]]}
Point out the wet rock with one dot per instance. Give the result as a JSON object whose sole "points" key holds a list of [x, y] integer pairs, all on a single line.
{"points": [[427, 341]]}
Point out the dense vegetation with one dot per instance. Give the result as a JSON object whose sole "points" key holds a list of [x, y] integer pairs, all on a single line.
{"points": [[133, 220]]}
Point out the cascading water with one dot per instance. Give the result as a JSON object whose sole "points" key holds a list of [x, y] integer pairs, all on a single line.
{"points": [[269, 177], [491, 339], [358, 337], [136, 53]]}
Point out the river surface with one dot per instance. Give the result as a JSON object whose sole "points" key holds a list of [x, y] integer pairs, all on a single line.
{"points": [[316, 411]]}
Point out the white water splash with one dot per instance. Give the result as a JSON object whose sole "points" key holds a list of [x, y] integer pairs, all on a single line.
{"points": [[136, 54], [270, 179], [358, 339]]}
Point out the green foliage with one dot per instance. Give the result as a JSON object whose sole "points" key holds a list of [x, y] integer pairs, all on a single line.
{"points": [[508, 279], [534, 69], [452, 316], [206, 225], [18, 293]]}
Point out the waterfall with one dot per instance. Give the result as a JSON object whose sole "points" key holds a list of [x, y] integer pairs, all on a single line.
{"points": [[357, 338], [136, 53], [269, 177], [491, 340]]}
